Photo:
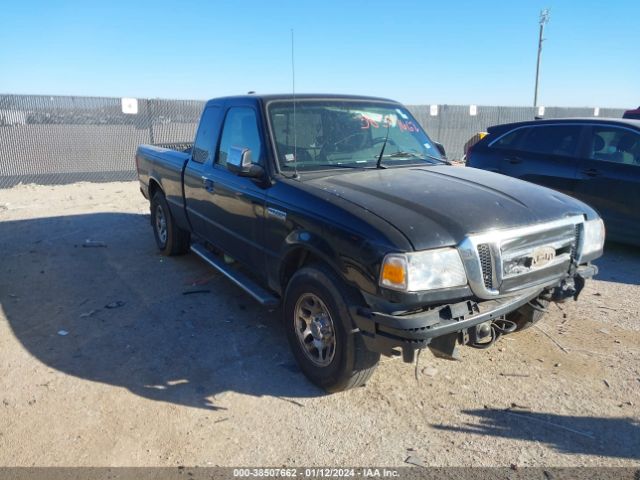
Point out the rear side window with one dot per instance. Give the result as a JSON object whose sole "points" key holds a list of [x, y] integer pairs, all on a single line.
{"points": [[552, 140], [207, 137], [612, 144], [510, 140], [240, 130]]}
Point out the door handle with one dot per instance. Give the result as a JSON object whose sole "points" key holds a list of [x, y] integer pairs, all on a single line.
{"points": [[591, 172], [513, 160], [207, 184]]}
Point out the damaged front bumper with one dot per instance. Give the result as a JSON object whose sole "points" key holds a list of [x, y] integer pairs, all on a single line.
{"points": [[391, 334]]}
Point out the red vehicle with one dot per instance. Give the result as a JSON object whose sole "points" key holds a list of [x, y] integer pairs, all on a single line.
{"points": [[635, 114]]}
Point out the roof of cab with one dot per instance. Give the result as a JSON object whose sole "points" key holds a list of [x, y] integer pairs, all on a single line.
{"points": [[299, 96]]}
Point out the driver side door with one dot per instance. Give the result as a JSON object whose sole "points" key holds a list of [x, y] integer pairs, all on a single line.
{"points": [[236, 209]]}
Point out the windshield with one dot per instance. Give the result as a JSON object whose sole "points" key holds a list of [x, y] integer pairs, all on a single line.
{"points": [[347, 134]]}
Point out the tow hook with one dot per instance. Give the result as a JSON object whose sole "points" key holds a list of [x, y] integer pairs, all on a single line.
{"points": [[567, 289], [485, 334]]}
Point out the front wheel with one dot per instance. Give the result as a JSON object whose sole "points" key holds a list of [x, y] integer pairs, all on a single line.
{"points": [[320, 332]]}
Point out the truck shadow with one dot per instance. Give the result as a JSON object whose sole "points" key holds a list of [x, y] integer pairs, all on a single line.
{"points": [[568, 434], [619, 264], [114, 311], [168, 329]]}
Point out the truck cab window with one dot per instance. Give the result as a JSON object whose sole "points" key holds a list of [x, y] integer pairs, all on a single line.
{"points": [[240, 130], [206, 139]]}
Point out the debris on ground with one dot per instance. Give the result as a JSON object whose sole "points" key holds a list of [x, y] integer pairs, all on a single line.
{"points": [[88, 314], [413, 460], [551, 338], [94, 244], [606, 383], [63, 333], [116, 304], [192, 292], [430, 371], [546, 422], [201, 281]]}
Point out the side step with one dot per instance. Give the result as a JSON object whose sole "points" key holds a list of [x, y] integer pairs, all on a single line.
{"points": [[252, 288]]}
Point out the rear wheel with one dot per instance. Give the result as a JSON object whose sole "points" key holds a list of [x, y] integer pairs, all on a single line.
{"points": [[171, 239], [320, 331], [529, 314]]}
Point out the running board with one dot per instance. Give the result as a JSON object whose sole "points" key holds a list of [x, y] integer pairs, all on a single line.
{"points": [[252, 288]]}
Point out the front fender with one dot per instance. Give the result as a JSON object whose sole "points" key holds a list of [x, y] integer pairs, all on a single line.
{"points": [[305, 241], [343, 257]]}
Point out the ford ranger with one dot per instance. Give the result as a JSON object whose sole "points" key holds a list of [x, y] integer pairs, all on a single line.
{"points": [[342, 211]]}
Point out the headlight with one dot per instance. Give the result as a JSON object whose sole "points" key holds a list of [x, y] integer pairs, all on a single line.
{"points": [[593, 238], [427, 270]]}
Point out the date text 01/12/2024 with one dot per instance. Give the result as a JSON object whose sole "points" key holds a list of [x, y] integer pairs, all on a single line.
{"points": [[316, 472]]}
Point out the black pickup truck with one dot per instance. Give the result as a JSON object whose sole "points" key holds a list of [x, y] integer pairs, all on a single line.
{"points": [[343, 211]]}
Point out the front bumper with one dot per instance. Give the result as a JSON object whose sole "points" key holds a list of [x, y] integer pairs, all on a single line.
{"points": [[388, 333]]}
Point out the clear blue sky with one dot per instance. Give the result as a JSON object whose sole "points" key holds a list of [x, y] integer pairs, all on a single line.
{"points": [[455, 52]]}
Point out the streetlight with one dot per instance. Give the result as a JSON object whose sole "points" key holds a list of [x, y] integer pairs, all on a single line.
{"points": [[544, 19]]}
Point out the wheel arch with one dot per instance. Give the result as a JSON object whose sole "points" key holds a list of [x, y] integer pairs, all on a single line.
{"points": [[154, 187], [302, 248]]}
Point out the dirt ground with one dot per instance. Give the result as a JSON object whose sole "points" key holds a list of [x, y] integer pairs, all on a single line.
{"points": [[107, 359]]}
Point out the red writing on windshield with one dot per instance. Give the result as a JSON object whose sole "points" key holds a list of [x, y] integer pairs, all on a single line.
{"points": [[408, 126]]}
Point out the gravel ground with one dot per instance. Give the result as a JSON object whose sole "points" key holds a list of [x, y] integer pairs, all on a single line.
{"points": [[104, 360]]}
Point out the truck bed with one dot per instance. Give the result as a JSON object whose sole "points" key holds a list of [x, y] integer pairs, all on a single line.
{"points": [[165, 166]]}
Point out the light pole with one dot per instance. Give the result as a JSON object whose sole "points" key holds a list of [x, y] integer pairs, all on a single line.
{"points": [[544, 19]]}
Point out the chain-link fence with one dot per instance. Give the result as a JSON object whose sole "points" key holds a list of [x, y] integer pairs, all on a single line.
{"points": [[454, 125], [56, 140]]}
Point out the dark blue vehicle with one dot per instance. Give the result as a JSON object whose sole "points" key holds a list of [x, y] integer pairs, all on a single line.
{"points": [[596, 160], [343, 211]]}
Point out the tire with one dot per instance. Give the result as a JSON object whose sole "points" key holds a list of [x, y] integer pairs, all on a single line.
{"points": [[351, 363], [529, 314], [171, 239]]}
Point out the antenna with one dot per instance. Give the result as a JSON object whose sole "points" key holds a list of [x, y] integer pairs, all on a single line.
{"points": [[293, 89]]}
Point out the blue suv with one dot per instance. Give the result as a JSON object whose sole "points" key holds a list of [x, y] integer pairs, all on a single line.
{"points": [[596, 160]]}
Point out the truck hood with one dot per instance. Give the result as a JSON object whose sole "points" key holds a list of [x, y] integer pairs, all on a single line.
{"points": [[435, 206]]}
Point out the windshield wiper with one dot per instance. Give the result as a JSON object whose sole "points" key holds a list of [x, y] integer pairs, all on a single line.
{"points": [[337, 165], [404, 154], [379, 162]]}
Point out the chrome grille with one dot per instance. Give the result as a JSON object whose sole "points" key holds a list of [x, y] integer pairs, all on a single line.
{"points": [[576, 243], [484, 252], [501, 262], [516, 253]]}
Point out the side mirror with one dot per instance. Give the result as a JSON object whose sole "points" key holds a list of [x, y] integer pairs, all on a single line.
{"points": [[239, 162], [440, 148]]}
